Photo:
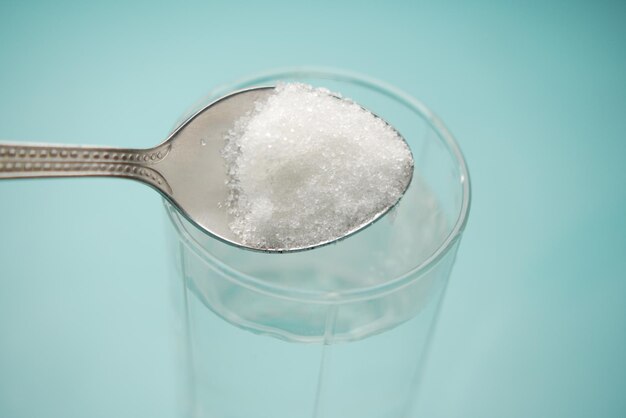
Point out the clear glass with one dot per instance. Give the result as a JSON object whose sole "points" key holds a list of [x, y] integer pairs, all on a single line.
{"points": [[336, 332]]}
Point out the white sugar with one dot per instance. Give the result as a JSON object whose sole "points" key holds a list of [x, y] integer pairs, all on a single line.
{"points": [[306, 167]]}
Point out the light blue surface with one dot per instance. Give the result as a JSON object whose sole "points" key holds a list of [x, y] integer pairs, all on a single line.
{"points": [[534, 323]]}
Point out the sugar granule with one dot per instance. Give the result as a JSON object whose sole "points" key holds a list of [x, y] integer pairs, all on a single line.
{"points": [[305, 167]]}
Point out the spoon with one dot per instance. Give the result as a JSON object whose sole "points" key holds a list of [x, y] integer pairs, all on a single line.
{"points": [[187, 168]]}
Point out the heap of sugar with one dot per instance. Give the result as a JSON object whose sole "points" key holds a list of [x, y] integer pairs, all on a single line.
{"points": [[307, 167]]}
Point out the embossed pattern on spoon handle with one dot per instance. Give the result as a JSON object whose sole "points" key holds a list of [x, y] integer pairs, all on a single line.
{"points": [[21, 160]]}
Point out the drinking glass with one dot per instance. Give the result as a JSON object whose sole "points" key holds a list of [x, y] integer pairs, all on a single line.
{"points": [[340, 331]]}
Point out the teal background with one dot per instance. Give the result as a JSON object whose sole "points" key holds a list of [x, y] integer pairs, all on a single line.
{"points": [[534, 322]]}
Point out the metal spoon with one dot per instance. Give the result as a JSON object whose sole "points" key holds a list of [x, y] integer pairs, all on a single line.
{"points": [[187, 168]]}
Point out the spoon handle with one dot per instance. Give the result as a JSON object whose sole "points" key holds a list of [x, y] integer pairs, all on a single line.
{"points": [[18, 160]]}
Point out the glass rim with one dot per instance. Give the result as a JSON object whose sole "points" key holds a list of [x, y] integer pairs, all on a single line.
{"points": [[361, 293]]}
